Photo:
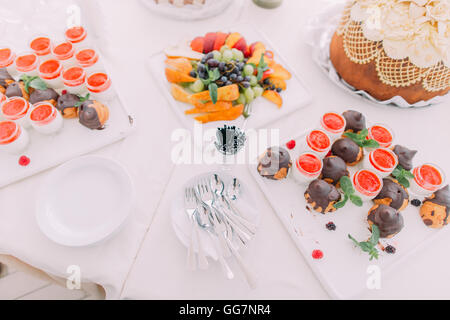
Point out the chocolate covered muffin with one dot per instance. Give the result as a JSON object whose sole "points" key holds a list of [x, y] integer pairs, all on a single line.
{"points": [[321, 196], [17, 89], [355, 121], [67, 105], [49, 95], [5, 79], [93, 114], [405, 156], [388, 220], [334, 168], [347, 150], [435, 209], [275, 163], [393, 194]]}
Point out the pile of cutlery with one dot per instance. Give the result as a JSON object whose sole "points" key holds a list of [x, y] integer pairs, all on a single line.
{"points": [[210, 206]]}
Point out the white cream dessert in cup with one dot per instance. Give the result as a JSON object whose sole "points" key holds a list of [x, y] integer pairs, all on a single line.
{"points": [[367, 184], [316, 141], [428, 178], [77, 35], [45, 118], [16, 109], [13, 138], [27, 63], [99, 86], [74, 80], [333, 124], [382, 161], [87, 58], [41, 45], [381, 134], [307, 167], [50, 71], [65, 53]]}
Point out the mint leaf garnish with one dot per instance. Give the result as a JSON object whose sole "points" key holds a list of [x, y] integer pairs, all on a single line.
{"points": [[212, 87], [82, 99], [402, 176], [361, 139], [370, 245], [34, 82], [349, 193]]}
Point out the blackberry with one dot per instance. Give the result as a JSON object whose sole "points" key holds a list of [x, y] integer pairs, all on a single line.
{"points": [[278, 90], [331, 226], [390, 249], [193, 74], [416, 202]]}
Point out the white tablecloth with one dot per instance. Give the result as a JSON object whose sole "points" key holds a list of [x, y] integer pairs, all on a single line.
{"points": [[160, 269]]}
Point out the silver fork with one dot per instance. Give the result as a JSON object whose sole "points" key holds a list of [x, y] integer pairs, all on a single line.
{"points": [[191, 205]]}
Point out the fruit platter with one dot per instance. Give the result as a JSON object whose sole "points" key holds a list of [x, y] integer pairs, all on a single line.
{"points": [[57, 101], [352, 197], [228, 77]]}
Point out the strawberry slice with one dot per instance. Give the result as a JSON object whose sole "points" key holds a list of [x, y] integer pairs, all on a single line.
{"points": [[220, 40], [197, 44], [241, 45], [210, 39]]}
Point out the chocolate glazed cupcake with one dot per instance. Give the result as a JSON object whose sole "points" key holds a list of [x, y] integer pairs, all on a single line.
{"points": [[17, 89], [347, 150], [387, 219], [393, 194], [93, 114], [435, 209], [334, 168], [5, 80], [322, 196], [48, 94], [355, 121], [275, 163], [66, 104], [405, 156]]}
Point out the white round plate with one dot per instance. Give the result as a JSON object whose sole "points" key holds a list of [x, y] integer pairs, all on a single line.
{"points": [[84, 201], [182, 224]]}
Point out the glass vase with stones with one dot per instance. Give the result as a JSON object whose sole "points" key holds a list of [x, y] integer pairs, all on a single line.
{"points": [[229, 141]]}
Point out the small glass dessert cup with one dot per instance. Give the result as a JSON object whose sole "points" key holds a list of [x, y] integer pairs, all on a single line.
{"points": [[382, 161], [367, 184], [308, 167], [50, 71], [13, 138], [16, 109], [65, 53], [45, 118], [333, 124], [41, 46], [87, 58], [77, 35], [318, 142], [428, 178], [7, 60], [27, 63], [74, 80], [99, 86], [381, 134]]}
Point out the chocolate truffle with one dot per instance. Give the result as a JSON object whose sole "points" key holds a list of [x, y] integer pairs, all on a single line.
{"points": [[355, 121], [17, 89], [334, 168], [275, 163], [387, 219], [435, 209], [322, 196], [347, 150], [48, 94], [5, 79], [393, 194], [404, 156], [93, 114], [66, 104]]}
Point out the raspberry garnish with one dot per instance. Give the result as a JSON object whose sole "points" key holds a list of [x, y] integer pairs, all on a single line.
{"points": [[317, 254], [24, 161], [291, 144], [64, 92]]}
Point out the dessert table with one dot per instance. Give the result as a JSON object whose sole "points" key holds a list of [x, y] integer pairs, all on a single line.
{"points": [[145, 260]]}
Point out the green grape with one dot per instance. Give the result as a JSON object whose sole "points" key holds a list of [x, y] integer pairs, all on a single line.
{"points": [[253, 81], [237, 54], [249, 95], [248, 70], [225, 47], [217, 55], [227, 55], [241, 99], [258, 91], [197, 86]]}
